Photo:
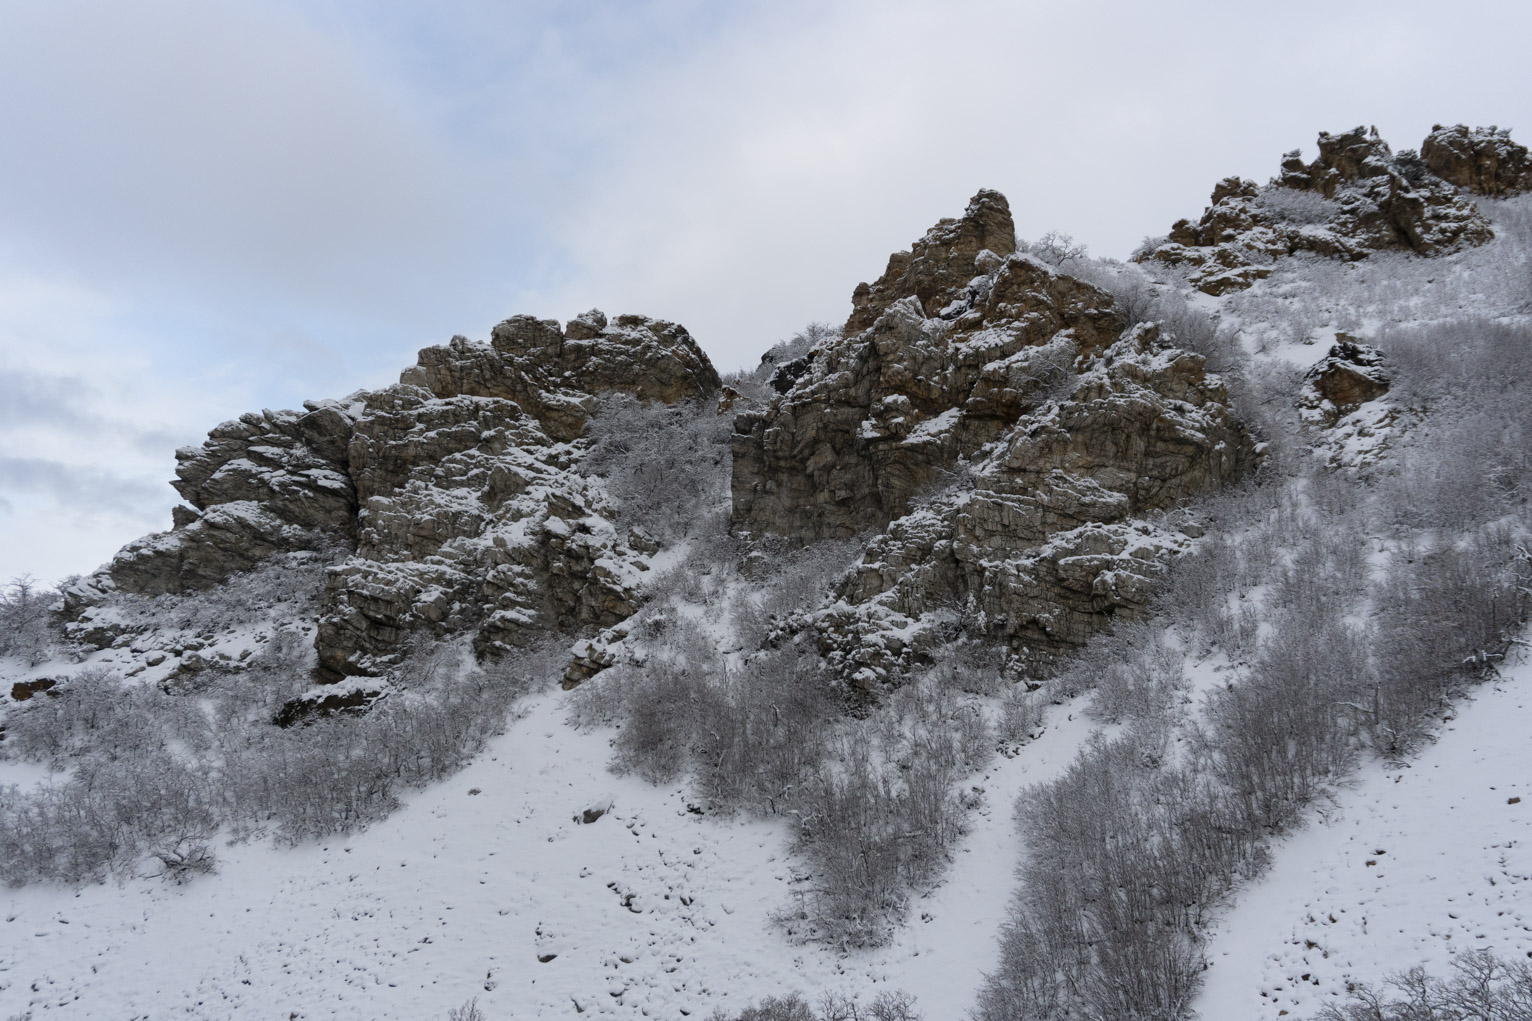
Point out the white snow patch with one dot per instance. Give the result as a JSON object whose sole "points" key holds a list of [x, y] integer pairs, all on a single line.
{"points": [[1413, 864]]}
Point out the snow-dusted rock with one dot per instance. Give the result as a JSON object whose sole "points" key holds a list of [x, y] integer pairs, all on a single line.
{"points": [[1357, 197], [456, 488], [938, 267], [1483, 160], [873, 417], [1045, 542], [262, 484], [1348, 377], [1015, 395]]}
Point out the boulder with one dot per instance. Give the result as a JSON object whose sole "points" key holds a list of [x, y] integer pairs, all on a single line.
{"points": [[1349, 376]]}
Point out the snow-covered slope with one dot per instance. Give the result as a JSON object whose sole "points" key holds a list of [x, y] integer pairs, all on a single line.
{"points": [[491, 885], [1413, 863]]}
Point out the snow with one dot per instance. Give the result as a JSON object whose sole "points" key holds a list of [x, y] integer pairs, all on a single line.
{"points": [[1413, 863], [652, 910]]}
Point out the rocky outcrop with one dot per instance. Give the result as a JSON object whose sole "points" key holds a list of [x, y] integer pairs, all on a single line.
{"points": [[1356, 198], [869, 419], [457, 488], [1005, 440], [1349, 376], [1045, 541], [1483, 160], [554, 375], [262, 484], [938, 267], [1343, 399]]}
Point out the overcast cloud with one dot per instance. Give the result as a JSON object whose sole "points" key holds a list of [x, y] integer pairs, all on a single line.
{"points": [[211, 206]]}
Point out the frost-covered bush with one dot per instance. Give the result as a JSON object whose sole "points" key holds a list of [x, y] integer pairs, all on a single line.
{"points": [[1279, 737], [1484, 988], [102, 818], [147, 773], [26, 626], [1299, 208], [469, 1011], [1124, 852], [1445, 620], [889, 1005], [1056, 248], [1468, 459], [754, 383], [874, 800], [1134, 290], [1134, 674], [667, 466]]}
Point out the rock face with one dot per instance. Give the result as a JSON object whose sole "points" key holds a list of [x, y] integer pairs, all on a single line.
{"points": [[1357, 197], [1004, 439], [938, 267], [262, 484], [554, 375], [1484, 160], [870, 418], [456, 487]]}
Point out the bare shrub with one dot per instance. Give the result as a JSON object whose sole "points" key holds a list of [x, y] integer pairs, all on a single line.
{"points": [[1133, 672], [1124, 853], [1445, 620], [26, 625], [1484, 988], [1278, 738], [148, 773], [667, 466], [185, 857], [782, 356], [469, 1011], [1468, 461], [1302, 208], [1055, 248]]}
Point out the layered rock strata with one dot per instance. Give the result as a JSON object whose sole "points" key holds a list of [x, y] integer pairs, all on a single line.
{"points": [[1357, 197], [1002, 437], [456, 488]]}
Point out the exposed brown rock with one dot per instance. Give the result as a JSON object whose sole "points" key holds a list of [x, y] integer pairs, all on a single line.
{"points": [[1041, 434], [1350, 375], [472, 515], [940, 264], [1483, 160], [23, 691], [554, 375], [1044, 542], [1357, 197], [872, 418]]}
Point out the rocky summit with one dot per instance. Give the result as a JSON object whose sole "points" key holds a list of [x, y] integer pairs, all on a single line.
{"points": [[989, 417], [1355, 198]]}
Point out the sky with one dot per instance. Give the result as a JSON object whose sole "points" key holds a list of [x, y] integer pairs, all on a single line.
{"points": [[215, 206]]}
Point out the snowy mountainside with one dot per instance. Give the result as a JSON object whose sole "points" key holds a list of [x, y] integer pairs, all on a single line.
{"points": [[567, 677]]}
